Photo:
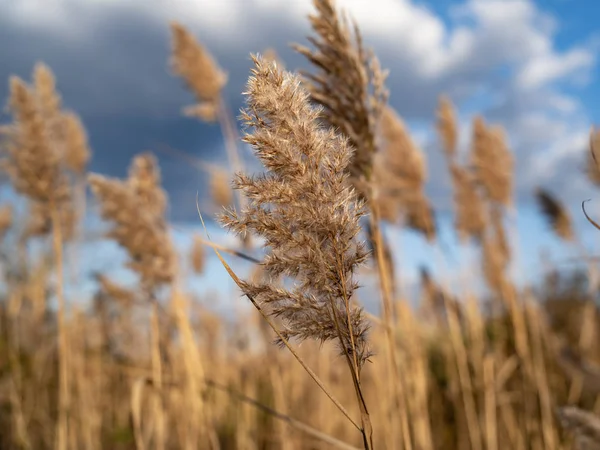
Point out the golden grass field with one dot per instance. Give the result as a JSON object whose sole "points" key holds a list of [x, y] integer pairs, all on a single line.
{"points": [[148, 367]]}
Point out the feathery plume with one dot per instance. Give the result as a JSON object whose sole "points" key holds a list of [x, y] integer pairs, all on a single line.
{"points": [[555, 213], [469, 207], [48, 99], [33, 163], [137, 224], [447, 127], [349, 84], [402, 159], [492, 161], [400, 175], [305, 210], [203, 76], [419, 215], [76, 151], [145, 182]]}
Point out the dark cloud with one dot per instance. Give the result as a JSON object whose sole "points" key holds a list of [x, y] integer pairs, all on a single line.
{"points": [[114, 72]]}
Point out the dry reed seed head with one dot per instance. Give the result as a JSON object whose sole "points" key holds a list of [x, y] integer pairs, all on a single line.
{"points": [[45, 89], [403, 159], [492, 161], [220, 188], [383, 195], [584, 425], [305, 209], [137, 229], [191, 61], [593, 162], [470, 208], [48, 98], [76, 150], [145, 182], [33, 162], [419, 215], [447, 126], [348, 83], [399, 175], [198, 255], [6, 219], [555, 213]]}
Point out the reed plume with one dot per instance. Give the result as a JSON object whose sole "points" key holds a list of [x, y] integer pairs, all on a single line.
{"points": [[470, 208], [308, 215], [492, 161], [306, 212], [77, 152], [400, 174], [555, 213], [145, 183], [49, 100], [447, 127], [349, 84], [34, 165], [201, 73], [136, 209]]}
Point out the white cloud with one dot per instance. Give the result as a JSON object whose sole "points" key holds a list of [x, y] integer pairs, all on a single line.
{"points": [[548, 67], [495, 54]]}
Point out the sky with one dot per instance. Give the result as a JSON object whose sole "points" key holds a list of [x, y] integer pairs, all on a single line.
{"points": [[528, 65]]}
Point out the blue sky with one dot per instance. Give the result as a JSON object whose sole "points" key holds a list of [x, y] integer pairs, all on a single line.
{"points": [[531, 66]]}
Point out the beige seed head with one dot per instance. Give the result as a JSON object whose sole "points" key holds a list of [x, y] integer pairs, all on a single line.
{"points": [[348, 83], [555, 213], [136, 227], [470, 216], [77, 151], [192, 62], [305, 209], [446, 126], [145, 181], [492, 161], [33, 162]]}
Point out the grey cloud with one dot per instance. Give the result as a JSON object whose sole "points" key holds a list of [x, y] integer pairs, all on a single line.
{"points": [[115, 74]]}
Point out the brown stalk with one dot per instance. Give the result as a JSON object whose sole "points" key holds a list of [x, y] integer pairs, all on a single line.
{"points": [[63, 341]]}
